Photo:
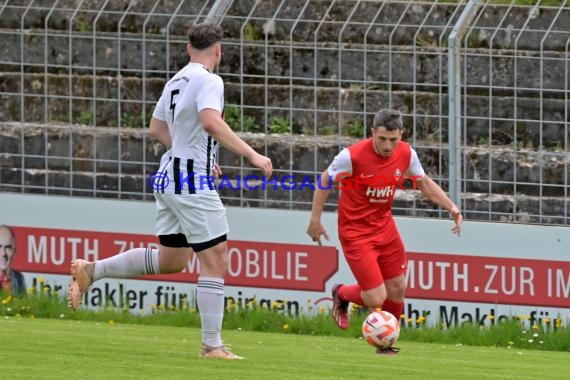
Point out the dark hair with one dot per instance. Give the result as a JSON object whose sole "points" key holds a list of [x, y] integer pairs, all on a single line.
{"points": [[389, 119], [202, 36]]}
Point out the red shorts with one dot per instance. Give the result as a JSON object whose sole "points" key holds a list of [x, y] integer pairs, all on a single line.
{"points": [[375, 259]]}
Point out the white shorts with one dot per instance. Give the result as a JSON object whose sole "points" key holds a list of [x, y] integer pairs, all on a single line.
{"points": [[201, 217]]}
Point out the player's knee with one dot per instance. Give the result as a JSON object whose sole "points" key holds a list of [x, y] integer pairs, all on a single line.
{"points": [[224, 263], [180, 265], [173, 266], [172, 261], [214, 261], [218, 266], [396, 290], [222, 258], [399, 293], [375, 299]]}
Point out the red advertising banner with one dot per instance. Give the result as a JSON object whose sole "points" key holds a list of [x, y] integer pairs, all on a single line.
{"points": [[488, 279], [251, 264], [430, 276]]}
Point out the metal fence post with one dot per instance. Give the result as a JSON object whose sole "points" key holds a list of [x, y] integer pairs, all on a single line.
{"points": [[241, 88], [46, 97], [441, 76], [218, 11], [454, 92], [291, 76], [541, 145], [566, 116], [365, 69]]}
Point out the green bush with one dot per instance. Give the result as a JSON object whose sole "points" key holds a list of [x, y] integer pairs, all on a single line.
{"points": [[233, 119], [85, 117], [279, 124], [354, 129]]}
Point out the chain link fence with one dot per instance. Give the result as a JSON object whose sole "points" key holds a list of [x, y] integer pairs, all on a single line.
{"points": [[303, 78]]}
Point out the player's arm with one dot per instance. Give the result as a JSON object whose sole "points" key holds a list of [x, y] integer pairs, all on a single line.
{"points": [[210, 104], [436, 194], [159, 131], [216, 127], [158, 128], [316, 229], [341, 165], [432, 190]]}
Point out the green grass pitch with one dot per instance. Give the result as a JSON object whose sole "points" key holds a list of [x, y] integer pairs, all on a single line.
{"points": [[43, 348]]}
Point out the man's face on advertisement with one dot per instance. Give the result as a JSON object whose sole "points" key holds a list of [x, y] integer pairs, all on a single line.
{"points": [[6, 248]]}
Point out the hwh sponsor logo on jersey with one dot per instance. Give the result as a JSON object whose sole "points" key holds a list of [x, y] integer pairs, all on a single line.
{"points": [[377, 192]]}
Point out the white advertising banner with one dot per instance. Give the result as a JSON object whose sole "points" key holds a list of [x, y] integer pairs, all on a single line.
{"points": [[492, 272]]}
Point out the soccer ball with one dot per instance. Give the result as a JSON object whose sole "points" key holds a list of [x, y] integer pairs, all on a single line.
{"points": [[381, 329]]}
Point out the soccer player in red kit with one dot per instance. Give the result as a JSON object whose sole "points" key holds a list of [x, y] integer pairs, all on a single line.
{"points": [[368, 173]]}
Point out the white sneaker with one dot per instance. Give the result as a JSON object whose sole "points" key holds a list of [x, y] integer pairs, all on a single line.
{"points": [[79, 283], [221, 352]]}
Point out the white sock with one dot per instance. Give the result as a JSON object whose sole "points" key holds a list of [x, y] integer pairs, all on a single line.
{"points": [[136, 262], [210, 295]]}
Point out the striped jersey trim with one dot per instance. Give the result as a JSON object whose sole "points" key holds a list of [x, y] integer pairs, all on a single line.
{"points": [[189, 170], [208, 154], [177, 175]]}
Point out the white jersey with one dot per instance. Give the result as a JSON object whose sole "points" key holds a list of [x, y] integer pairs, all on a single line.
{"points": [[191, 90]]}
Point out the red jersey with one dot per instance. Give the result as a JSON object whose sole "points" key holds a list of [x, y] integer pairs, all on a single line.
{"points": [[365, 204]]}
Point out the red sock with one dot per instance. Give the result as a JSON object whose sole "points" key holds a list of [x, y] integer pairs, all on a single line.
{"points": [[393, 307], [351, 293]]}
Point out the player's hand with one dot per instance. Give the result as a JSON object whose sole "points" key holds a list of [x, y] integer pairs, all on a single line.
{"points": [[263, 163], [217, 171], [458, 219], [316, 230]]}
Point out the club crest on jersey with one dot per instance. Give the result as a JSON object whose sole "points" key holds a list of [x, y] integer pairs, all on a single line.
{"points": [[397, 173]]}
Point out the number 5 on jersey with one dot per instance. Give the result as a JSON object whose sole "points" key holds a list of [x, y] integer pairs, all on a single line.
{"points": [[172, 104]]}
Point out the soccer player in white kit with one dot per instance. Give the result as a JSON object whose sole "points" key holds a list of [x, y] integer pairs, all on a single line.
{"points": [[190, 216]]}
